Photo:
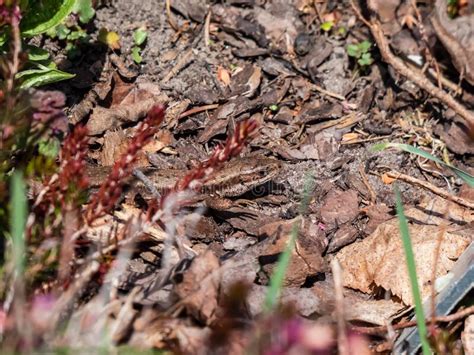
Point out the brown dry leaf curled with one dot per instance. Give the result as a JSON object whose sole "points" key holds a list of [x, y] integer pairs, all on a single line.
{"points": [[307, 256], [379, 259], [198, 289]]}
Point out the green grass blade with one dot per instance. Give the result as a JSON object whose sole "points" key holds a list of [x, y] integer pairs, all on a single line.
{"points": [[18, 215], [278, 276], [410, 260], [276, 281], [468, 178]]}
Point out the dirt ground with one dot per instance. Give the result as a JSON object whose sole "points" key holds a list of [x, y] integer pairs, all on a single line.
{"points": [[319, 114]]}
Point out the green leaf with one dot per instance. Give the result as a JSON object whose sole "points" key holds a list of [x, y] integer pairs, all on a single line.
{"points": [[41, 15], [364, 46], [62, 31], [72, 50], [49, 148], [411, 267], [136, 56], [36, 54], [341, 31], [365, 60], [85, 10], [139, 36], [327, 26], [468, 178], [42, 76], [45, 66], [75, 35], [3, 38], [353, 50]]}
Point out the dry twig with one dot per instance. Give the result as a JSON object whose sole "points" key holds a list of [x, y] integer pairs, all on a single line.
{"points": [[342, 341], [445, 319], [459, 200]]}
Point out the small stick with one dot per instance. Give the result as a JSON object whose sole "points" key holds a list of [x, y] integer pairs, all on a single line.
{"points": [[147, 182], [328, 93], [169, 14], [373, 195], [444, 319], [182, 62], [207, 25], [459, 200], [197, 110], [342, 341]]}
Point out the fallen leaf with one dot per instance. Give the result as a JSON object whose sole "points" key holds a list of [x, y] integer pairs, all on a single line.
{"points": [[379, 259], [112, 147], [387, 180], [198, 289], [307, 257], [357, 306], [223, 76], [339, 207], [246, 81], [350, 137]]}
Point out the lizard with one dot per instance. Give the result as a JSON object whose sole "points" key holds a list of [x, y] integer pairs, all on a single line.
{"points": [[234, 179]]}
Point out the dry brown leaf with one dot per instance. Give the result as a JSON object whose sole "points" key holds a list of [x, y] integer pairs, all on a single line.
{"points": [[339, 207], [120, 90], [198, 289], [379, 259], [307, 255], [246, 81], [113, 147], [135, 105], [357, 306], [370, 311], [223, 76], [350, 137], [387, 180]]}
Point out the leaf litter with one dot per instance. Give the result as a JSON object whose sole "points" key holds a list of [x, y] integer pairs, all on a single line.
{"points": [[197, 282]]}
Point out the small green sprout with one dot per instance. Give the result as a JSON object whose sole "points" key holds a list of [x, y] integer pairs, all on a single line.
{"points": [[327, 26], [273, 108], [139, 37], [85, 10], [342, 31], [361, 52], [136, 56]]}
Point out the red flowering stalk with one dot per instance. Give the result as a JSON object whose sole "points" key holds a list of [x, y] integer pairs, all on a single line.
{"points": [[10, 15], [231, 148], [104, 200], [73, 154], [71, 176]]}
